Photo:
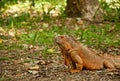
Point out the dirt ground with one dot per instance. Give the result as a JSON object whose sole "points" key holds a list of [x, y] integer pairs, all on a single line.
{"points": [[24, 65]]}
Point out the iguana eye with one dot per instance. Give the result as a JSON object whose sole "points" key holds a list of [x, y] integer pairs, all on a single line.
{"points": [[61, 37]]}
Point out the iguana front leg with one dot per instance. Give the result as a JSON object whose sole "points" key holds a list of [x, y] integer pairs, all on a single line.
{"points": [[74, 61], [66, 60], [77, 62]]}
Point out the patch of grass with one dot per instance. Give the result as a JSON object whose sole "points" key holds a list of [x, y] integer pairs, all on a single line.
{"points": [[95, 36], [4, 58], [43, 37], [11, 46], [18, 21], [45, 52], [99, 37], [48, 50]]}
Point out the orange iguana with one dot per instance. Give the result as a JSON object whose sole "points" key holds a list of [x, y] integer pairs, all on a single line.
{"points": [[78, 56]]}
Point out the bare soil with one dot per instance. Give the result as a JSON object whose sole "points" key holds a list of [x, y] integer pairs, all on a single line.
{"points": [[24, 65]]}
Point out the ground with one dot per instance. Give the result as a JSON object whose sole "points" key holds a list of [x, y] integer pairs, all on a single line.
{"points": [[23, 65], [36, 60]]}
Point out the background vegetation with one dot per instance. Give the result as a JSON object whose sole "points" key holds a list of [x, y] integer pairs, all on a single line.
{"points": [[37, 22]]}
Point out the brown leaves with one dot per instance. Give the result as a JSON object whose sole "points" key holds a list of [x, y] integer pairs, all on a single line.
{"points": [[11, 32]]}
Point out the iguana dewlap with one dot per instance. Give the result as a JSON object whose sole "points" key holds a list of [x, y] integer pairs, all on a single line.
{"points": [[78, 56]]}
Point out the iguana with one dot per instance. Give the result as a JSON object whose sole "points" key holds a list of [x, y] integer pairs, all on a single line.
{"points": [[80, 57]]}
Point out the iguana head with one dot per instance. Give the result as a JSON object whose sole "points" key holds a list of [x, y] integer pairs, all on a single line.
{"points": [[63, 42]]}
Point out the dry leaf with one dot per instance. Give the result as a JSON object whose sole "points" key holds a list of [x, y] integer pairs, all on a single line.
{"points": [[36, 67], [25, 46], [80, 22], [32, 72], [1, 40], [41, 30], [45, 25], [2, 31], [12, 32], [111, 29], [27, 64], [50, 50]]}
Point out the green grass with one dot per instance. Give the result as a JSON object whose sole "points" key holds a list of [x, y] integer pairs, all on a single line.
{"points": [[99, 37], [44, 37], [95, 36], [4, 58]]}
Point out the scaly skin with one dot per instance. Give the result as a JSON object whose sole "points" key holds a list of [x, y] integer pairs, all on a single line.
{"points": [[78, 56]]}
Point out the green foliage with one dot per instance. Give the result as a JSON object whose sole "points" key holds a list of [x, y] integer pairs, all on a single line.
{"points": [[45, 51], [20, 13], [7, 2], [43, 37], [10, 46], [18, 20], [100, 37], [4, 58], [112, 10]]}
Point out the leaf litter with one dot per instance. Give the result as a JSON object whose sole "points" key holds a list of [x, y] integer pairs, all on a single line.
{"points": [[29, 67], [29, 64]]}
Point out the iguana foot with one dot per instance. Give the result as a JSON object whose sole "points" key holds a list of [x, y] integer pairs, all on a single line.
{"points": [[111, 70]]}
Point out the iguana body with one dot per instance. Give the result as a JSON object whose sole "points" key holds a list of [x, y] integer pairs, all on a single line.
{"points": [[78, 56]]}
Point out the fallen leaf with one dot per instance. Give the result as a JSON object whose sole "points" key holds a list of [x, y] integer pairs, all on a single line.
{"points": [[41, 30], [33, 72], [12, 32], [36, 67], [80, 22], [25, 46], [27, 64], [45, 25], [31, 46], [42, 62], [1, 40], [2, 31], [111, 29], [50, 50]]}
